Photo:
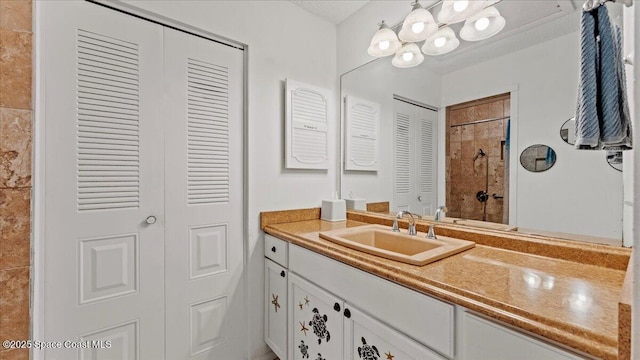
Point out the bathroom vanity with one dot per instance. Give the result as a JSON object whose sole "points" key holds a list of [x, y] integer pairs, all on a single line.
{"points": [[327, 301]]}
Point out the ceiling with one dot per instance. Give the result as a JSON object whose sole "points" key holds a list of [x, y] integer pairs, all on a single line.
{"points": [[335, 11]]}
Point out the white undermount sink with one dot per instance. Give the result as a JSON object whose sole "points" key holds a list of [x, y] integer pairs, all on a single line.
{"points": [[411, 249]]}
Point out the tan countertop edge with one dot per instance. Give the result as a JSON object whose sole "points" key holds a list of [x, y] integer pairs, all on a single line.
{"points": [[286, 216], [585, 253], [506, 314], [624, 315]]}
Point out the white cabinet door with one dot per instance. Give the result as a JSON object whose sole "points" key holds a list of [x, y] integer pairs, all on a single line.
{"points": [[425, 319], [275, 327], [315, 322], [369, 339], [104, 264], [482, 339], [203, 197]]}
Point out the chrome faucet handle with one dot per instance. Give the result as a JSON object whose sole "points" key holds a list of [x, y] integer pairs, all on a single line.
{"points": [[439, 211], [395, 227], [412, 223], [432, 233], [412, 229]]}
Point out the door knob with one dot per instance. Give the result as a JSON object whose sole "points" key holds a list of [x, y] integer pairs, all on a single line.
{"points": [[419, 197], [151, 220]]}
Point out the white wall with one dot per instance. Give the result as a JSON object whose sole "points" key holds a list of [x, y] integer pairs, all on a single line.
{"points": [[628, 156], [284, 42], [581, 194], [378, 82], [635, 323]]}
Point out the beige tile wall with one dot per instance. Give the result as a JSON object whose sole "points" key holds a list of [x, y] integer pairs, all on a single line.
{"points": [[16, 121], [464, 176]]}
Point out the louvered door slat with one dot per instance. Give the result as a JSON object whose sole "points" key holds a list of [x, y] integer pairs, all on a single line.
{"points": [[107, 143], [207, 133], [402, 154], [426, 159]]}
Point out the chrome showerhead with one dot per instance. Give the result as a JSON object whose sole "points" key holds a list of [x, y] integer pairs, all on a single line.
{"points": [[480, 153]]}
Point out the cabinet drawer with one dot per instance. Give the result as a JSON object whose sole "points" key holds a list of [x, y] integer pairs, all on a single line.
{"points": [[484, 339], [425, 319], [276, 250]]}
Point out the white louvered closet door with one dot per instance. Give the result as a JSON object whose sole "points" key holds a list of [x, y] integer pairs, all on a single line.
{"points": [[103, 265], [204, 201], [414, 153], [403, 165], [425, 151]]}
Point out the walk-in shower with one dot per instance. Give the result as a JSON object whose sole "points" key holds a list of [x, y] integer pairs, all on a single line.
{"points": [[476, 156], [483, 195]]}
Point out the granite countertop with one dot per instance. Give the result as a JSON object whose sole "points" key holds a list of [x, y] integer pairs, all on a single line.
{"points": [[567, 302]]}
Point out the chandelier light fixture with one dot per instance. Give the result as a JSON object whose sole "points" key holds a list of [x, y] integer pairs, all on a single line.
{"points": [[481, 21]]}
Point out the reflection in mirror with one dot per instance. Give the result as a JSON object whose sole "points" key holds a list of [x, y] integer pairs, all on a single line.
{"points": [[568, 131], [478, 151], [538, 158], [534, 63], [614, 159]]}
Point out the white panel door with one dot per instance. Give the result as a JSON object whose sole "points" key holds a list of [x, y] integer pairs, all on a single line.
{"points": [[414, 154], [104, 176], [203, 198]]}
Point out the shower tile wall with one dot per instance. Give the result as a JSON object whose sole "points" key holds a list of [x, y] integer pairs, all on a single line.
{"points": [[15, 172], [466, 177]]}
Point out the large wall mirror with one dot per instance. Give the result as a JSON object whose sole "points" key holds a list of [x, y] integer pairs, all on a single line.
{"points": [[455, 126]]}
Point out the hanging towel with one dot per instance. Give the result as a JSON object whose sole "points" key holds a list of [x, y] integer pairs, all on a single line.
{"points": [[587, 122], [621, 140], [602, 115], [550, 159]]}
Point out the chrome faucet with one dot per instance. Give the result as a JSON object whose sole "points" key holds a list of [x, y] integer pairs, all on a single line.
{"points": [[412, 223], [432, 234]]}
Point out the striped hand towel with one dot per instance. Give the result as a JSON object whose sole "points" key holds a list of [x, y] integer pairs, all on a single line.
{"points": [[587, 122], [602, 115]]}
